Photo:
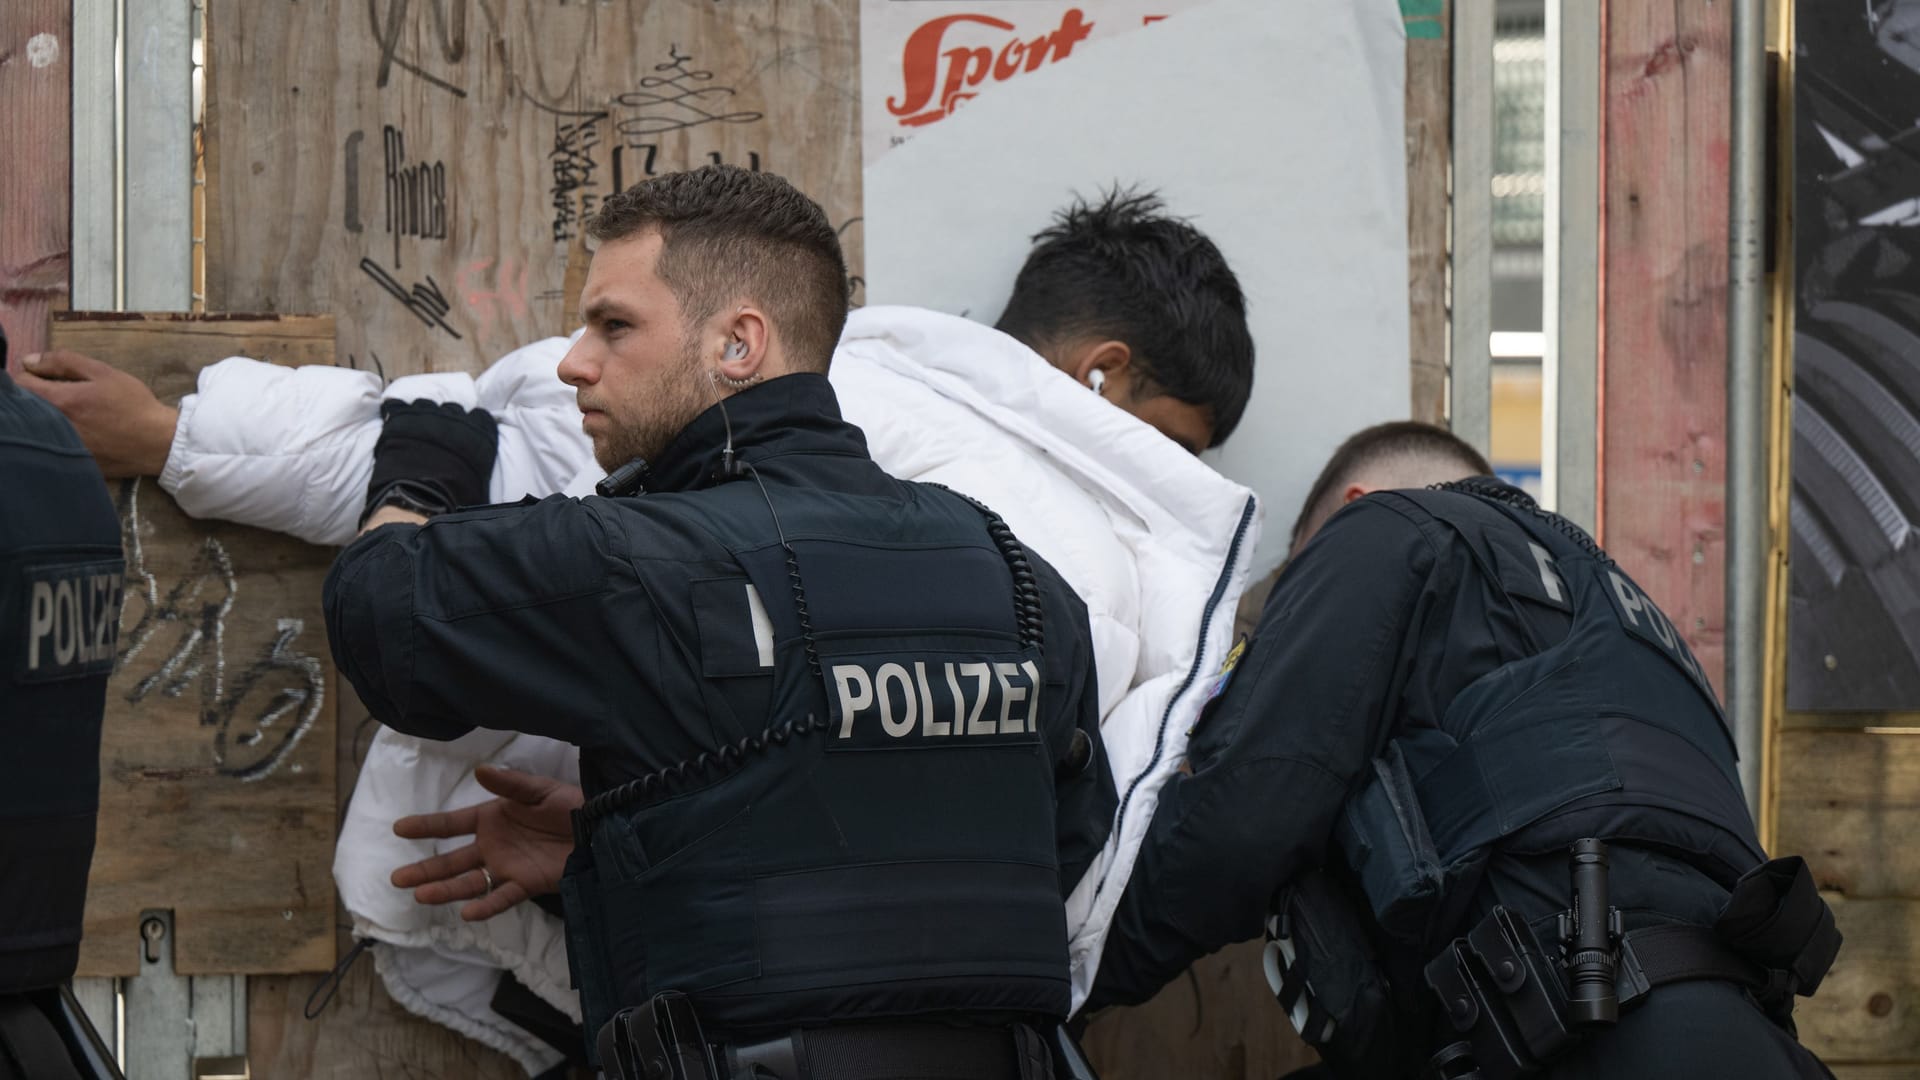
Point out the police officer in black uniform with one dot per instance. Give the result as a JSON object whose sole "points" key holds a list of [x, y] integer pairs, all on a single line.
{"points": [[1521, 788], [61, 576], [838, 732]]}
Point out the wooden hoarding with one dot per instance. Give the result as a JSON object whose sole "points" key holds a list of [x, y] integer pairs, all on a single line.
{"points": [[420, 167], [216, 779]]}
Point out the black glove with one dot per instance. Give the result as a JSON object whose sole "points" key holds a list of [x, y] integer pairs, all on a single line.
{"points": [[431, 458]]}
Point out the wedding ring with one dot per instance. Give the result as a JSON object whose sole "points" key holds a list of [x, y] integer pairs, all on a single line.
{"points": [[488, 874]]}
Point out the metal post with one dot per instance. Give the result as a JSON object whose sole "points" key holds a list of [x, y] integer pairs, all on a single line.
{"points": [[1747, 474], [1470, 367], [1570, 420], [159, 155]]}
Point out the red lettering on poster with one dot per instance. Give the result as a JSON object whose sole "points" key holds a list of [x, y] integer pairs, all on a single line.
{"points": [[925, 66]]}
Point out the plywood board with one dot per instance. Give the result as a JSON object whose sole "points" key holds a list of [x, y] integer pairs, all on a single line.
{"points": [[424, 164], [1850, 803], [36, 72], [1217, 1020], [1868, 1009], [1663, 413], [217, 768]]}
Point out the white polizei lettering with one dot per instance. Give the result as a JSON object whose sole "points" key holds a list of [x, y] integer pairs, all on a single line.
{"points": [[39, 621], [1549, 577], [106, 620], [762, 627], [928, 725], [1661, 626], [66, 623], [903, 726], [1033, 694], [1009, 693], [845, 676], [980, 674], [1629, 597]]}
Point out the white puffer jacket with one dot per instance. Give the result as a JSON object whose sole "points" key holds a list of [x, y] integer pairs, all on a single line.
{"points": [[1155, 542]]}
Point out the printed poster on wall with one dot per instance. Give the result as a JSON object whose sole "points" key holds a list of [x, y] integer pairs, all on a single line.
{"points": [[920, 60], [1853, 622], [1290, 156]]}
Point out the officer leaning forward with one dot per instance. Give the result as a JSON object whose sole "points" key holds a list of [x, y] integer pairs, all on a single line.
{"points": [[820, 711], [1489, 800], [61, 579]]}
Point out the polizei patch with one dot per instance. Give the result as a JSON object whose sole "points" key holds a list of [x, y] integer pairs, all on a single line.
{"points": [[924, 702], [70, 621]]}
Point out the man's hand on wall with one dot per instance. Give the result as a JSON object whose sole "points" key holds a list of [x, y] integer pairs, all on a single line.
{"points": [[520, 847], [128, 430]]}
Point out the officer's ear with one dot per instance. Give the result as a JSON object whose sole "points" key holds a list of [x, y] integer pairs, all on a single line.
{"points": [[1355, 491], [744, 346]]}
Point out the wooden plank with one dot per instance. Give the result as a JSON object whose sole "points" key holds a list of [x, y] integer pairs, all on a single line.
{"points": [[1868, 1009], [1849, 801], [1903, 1071], [216, 786], [1218, 1020], [1429, 123], [1664, 313], [35, 128], [424, 163]]}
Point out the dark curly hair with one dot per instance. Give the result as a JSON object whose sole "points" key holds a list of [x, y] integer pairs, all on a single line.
{"points": [[727, 233], [1123, 268]]}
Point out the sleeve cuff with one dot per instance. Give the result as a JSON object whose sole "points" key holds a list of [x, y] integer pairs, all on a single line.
{"points": [[174, 473]]}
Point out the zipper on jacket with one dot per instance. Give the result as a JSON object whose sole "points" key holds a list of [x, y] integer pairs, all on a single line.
{"points": [[1193, 673]]}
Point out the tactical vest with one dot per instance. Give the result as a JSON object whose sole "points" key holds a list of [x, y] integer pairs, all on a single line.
{"points": [[885, 846], [61, 578], [1612, 732]]}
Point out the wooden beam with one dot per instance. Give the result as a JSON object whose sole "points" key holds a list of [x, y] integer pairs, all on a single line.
{"points": [[36, 73], [1663, 321], [1429, 124]]}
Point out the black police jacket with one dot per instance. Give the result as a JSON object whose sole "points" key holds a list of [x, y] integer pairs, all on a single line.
{"points": [[61, 575], [1411, 621], [812, 804]]}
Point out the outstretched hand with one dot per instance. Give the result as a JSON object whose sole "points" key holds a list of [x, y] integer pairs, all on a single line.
{"points": [[127, 429], [522, 839]]}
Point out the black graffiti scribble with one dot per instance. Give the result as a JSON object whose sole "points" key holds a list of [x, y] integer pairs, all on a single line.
{"points": [[427, 302], [416, 193], [452, 33], [197, 606], [573, 168], [675, 100]]}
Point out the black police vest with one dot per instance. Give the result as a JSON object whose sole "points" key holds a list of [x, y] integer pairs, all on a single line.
{"points": [[61, 576], [1613, 732], [885, 847]]}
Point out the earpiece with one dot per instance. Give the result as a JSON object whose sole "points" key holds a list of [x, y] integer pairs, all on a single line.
{"points": [[1097, 381], [736, 350]]}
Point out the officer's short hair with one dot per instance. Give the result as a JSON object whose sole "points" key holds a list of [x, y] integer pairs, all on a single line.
{"points": [[1122, 268], [728, 232], [1384, 445]]}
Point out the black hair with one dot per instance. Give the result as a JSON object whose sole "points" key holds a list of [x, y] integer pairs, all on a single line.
{"points": [[1122, 268], [1381, 443]]}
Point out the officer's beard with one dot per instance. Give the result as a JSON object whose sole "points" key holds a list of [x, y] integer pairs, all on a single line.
{"points": [[661, 412]]}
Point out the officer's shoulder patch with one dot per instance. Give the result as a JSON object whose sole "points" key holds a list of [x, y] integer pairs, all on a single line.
{"points": [[1531, 571], [65, 619], [736, 636]]}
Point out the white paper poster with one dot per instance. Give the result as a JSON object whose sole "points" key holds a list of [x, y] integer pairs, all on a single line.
{"points": [[922, 59], [1275, 126]]}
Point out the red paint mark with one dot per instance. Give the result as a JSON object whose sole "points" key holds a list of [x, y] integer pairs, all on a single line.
{"points": [[497, 295], [1670, 55]]}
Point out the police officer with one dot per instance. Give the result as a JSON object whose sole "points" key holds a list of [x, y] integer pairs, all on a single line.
{"points": [[1521, 788], [825, 717], [61, 574]]}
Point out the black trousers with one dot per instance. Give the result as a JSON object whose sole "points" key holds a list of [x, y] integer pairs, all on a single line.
{"points": [[1692, 1031], [1683, 1031]]}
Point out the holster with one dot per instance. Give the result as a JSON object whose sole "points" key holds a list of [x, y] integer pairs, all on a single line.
{"points": [[1321, 967]]}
